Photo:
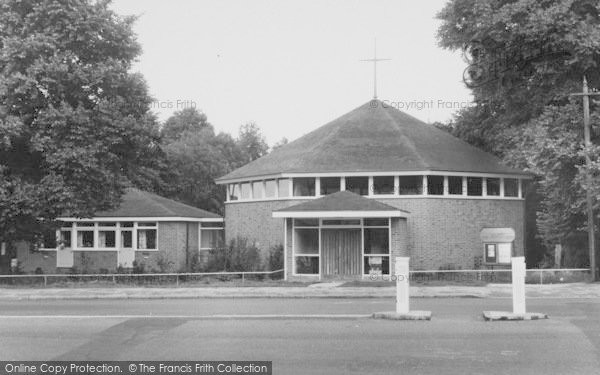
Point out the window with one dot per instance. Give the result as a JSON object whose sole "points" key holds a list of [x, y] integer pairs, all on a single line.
{"points": [[358, 185], [65, 238], [511, 187], [85, 239], [271, 189], [210, 239], [493, 186], [284, 188], [146, 238], [127, 224], [306, 222], [435, 185], [455, 185], [304, 187], [126, 239], [352, 222], [383, 185], [234, 192], [376, 222], [498, 253], [306, 241], [257, 190], [474, 186], [107, 239], [307, 265], [411, 185], [211, 235], [330, 185], [85, 224], [306, 250], [246, 191], [376, 247]]}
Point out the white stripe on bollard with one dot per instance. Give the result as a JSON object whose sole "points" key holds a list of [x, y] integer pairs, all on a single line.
{"points": [[518, 284], [402, 285]]}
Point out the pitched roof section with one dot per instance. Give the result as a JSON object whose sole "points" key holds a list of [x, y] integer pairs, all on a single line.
{"points": [[137, 203], [342, 204], [374, 137]]}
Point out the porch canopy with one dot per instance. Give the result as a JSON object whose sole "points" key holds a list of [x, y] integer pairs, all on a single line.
{"points": [[343, 204]]}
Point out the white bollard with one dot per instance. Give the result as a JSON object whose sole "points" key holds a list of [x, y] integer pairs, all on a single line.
{"points": [[518, 284], [402, 285]]}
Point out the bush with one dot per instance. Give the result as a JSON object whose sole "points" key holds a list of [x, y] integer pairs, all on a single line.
{"points": [[275, 258], [239, 255]]}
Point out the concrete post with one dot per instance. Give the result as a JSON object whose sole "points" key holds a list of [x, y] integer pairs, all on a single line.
{"points": [[402, 285], [518, 284]]}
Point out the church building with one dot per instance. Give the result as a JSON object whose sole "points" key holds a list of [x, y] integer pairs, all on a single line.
{"points": [[347, 198]]}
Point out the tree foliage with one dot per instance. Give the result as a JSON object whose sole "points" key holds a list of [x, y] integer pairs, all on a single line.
{"points": [[74, 123], [525, 59], [198, 156]]}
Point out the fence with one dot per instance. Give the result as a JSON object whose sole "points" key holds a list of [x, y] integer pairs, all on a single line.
{"points": [[533, 276], [138, 278], [439, 277]]}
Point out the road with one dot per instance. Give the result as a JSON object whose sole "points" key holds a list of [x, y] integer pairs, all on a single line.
{"points": [[455, 341]]}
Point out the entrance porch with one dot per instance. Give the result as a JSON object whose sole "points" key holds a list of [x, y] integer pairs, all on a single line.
{"points": [[342, 236]]}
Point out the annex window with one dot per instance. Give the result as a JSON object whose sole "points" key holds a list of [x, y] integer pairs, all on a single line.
{"points": [[257, 190], [498, 253], [330, 185], [383, 185], [146, 236], [234, 192], [304, 187], [358, 185], [107, 239], [271, 189], [65, 238], [493, 187], [126, 238], [376, 247], [107, 235], [246, 190], [511, 187], [284, 187], [435, 185], [455, 185], [411, 185], [474, 186], [211, 235], [85, 239]]}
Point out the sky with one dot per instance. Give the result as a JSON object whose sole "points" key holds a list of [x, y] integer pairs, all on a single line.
{"points": [[292, 66]]}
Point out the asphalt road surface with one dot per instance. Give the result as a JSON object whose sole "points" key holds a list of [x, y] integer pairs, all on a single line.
{"points": [[455, 341]]}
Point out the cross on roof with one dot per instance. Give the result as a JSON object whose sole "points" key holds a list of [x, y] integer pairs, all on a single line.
{"points": [[375, 60]]}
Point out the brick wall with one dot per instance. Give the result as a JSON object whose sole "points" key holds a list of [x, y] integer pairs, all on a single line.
{"points": [[254, 220], [440, 232], [172, 241], [445, 232]]}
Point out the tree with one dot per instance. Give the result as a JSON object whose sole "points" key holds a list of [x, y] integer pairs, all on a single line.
{"points": [[282, 142], [74, 123], [196, 157], [525, 59], [188, 119], [252, 142]]}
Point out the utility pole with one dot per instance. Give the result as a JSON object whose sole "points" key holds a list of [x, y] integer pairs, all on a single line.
{"points": [[588, 178]]}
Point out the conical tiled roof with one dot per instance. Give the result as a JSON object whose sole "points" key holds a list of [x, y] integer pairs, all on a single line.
{"points": [[374, 137]]}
